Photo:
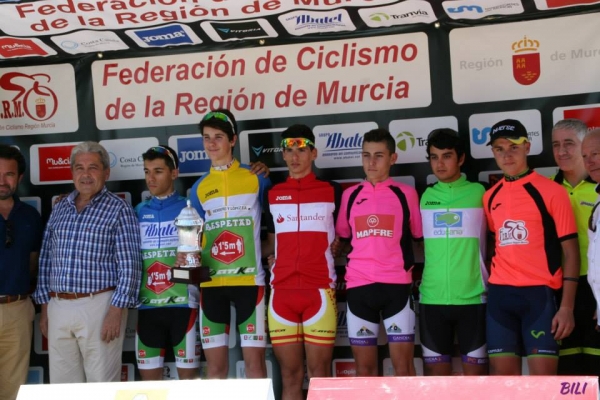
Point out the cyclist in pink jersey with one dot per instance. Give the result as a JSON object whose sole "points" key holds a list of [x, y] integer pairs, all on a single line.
{"points": [[380, 218]]}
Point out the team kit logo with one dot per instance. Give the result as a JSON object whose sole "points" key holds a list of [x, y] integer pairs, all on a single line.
{"points": [[526, 61], [33, 96], [374, 225], [513, 232]]}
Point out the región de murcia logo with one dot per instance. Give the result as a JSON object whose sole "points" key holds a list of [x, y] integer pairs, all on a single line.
{"points": [[526, 61]]}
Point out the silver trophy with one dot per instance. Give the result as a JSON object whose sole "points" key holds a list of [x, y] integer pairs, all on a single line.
{"points": [[189, 229]]}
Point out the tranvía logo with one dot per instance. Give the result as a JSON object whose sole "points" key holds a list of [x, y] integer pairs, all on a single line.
{"points": [[464, 8], [379, 17], [513, 232], [405, 141], [164, 36], [480, 136], [526, 61], [447, 219], [32, 99]]}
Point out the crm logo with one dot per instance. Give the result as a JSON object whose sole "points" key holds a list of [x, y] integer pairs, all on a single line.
{"points": [[461, 9], [405, 141], [447, 219], [526, 61], [34, 96]]}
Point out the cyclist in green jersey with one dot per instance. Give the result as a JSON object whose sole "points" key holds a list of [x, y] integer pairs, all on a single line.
{"points": [[454, 284]]}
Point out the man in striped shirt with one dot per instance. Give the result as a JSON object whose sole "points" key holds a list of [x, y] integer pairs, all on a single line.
{"points": [[90, 272]]}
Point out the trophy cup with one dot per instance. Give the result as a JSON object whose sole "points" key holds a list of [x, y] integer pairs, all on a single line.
{"points": [[189, 229]]}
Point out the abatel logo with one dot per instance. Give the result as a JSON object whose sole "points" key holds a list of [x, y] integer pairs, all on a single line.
{"points": [[526, 61]]}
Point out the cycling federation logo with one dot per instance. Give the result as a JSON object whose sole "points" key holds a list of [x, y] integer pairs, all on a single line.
{"points": [[447, 219], [32, 98], [526, 61], [405, 141], [513, 232], [169, 35]]}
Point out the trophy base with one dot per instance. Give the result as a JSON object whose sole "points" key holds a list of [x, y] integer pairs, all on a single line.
{"points": [[191, 276]]}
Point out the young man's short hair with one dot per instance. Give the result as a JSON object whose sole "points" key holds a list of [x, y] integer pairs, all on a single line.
{"points": [[381, 135], [164, 153], [445, 138], [221, 119]]}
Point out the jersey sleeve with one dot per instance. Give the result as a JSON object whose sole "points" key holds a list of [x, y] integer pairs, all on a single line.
{"points": [[416, 222], [195, 201], [337, 198], [263, 185], [486, 211], [267, 210], [342, 225]]}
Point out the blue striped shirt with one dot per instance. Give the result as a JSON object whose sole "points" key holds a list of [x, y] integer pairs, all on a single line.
{"points": [[91, 250]]}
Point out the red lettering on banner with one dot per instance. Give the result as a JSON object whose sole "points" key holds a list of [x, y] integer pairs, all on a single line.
{"points": [[335, 92], [255, 7], [309, 58]]}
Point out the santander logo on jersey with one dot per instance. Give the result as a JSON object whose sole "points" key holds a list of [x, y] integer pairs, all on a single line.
{"points": [[374, 225]]}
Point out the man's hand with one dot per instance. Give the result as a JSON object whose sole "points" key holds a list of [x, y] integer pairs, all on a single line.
{"points": [[563, 323], [595, 318], [44, 320], [111, 328], [271, 261], [258, 168]]}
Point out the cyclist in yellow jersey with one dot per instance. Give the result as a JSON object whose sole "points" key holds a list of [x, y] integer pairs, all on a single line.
{"points": [[229, 199]]}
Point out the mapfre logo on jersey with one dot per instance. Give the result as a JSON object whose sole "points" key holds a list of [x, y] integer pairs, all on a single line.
{"points": [[381, 225], [513, 232]]}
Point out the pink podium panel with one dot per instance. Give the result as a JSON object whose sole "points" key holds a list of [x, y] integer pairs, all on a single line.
{"points": [[456, 387]]}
